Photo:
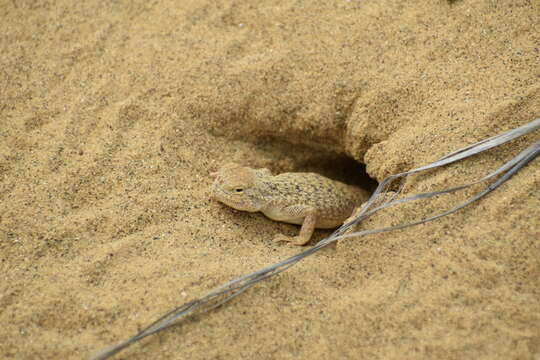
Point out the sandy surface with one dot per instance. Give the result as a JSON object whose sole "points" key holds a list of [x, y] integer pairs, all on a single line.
{"points": [[113, 114]]}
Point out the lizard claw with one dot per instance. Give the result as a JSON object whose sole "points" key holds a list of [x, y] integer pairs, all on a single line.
{"points": [[283, 238], [296, 240]]}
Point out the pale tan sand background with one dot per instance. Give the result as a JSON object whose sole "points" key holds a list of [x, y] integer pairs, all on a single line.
{"points": [[113, 114]]}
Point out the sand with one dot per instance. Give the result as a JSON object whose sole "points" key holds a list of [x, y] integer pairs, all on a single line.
{"points": [[113, 114]]}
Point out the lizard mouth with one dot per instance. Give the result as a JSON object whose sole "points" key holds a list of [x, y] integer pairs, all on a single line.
{"points": [[224, 197], [231, 201]]}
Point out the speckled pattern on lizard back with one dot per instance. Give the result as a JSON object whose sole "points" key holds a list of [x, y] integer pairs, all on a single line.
{"points": [[306, 199]]}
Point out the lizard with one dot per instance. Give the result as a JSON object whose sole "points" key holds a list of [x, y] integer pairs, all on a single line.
{"points": [[303, 198]]}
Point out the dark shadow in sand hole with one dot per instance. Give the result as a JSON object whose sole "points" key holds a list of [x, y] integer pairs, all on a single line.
{"points": [[342, 168]]}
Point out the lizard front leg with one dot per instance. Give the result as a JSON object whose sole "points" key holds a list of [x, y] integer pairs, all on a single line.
{"points": [[308, 225]]}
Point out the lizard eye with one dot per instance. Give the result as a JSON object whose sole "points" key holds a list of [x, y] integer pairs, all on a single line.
{"points": [[238, 190]]}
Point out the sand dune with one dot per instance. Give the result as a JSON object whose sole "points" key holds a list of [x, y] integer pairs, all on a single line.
{"points": [[112, 116]]}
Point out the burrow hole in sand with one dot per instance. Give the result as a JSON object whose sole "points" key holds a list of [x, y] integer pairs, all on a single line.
{"points": [[342, 168]]}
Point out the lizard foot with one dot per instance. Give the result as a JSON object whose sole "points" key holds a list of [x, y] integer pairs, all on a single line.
{"points": [[296, 240]]}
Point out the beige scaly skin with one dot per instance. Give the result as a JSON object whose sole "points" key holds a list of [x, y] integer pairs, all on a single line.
{"points": [[306, 199]]}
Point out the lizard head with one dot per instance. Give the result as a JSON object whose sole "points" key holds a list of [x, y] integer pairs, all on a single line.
{"points": [[238, 187]]}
